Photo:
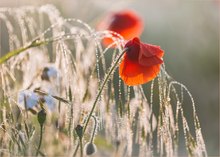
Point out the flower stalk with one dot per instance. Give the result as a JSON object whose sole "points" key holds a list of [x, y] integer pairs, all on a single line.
{"points": [[102, 87], [99, 93], [41, 119]]}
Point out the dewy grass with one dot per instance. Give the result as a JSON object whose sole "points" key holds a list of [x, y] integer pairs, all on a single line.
{"points": [[66, 67]]}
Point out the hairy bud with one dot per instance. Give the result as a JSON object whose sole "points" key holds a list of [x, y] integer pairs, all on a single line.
{"points": [[79, 131], [90, 148], [41, 116]]}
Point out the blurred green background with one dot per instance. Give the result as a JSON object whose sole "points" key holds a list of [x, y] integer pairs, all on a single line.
{"points": [[188, 31]]}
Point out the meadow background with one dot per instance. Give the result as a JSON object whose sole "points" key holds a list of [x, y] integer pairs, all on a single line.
{"points": [[188, 31]]}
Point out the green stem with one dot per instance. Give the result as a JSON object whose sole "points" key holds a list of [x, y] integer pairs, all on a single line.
{"points": [[94, 129], [101, 88], [99, 94], [77, 147], [81, 148], [18, 51], [41, 136]]}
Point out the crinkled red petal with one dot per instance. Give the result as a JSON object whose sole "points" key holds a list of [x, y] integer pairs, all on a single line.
{"points": [[149, 50], [150, 61], [132, 73]]}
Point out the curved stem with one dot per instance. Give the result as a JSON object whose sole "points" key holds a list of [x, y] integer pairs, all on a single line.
{"points": [[94, 129], [41, 136], [99, 94], [101, 88]]}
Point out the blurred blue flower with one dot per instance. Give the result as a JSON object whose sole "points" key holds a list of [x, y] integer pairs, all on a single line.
{"points": [[30, 97], [49, 100], [48, 73]]}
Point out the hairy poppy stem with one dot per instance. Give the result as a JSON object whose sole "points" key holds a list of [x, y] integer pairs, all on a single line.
{"points": [[99, 93], [101, 88], [94, 129], [81, 148]]}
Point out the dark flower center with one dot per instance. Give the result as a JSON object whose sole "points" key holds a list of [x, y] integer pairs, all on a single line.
{"points": [[132, 53]]}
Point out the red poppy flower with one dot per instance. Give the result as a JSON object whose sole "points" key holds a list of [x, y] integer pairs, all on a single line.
{"points": [[126, 23], [141, 62]]}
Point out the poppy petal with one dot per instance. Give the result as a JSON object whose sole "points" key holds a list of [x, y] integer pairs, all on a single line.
{"points": [[131, 32], [150, 61], [133, 47], [149, 50], [107, 42], [126, 23], [134, 42], [132, 73]]}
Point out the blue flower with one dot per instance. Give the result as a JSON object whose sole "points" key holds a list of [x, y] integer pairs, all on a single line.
{"points": [[30, 97]]}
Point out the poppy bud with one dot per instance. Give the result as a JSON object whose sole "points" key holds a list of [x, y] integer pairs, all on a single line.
{"points": [[79, 131], [41, 116], [90, 148]]}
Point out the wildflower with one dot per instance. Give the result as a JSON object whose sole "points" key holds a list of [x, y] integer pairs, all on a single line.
{"points": [[28, 98], [49, 100], [48, 73], [141, 62], [126, 23]]}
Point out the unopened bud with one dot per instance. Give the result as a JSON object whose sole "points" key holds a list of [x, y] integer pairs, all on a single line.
{"points": [[90, 148], [41, 116], [79, 131]]}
